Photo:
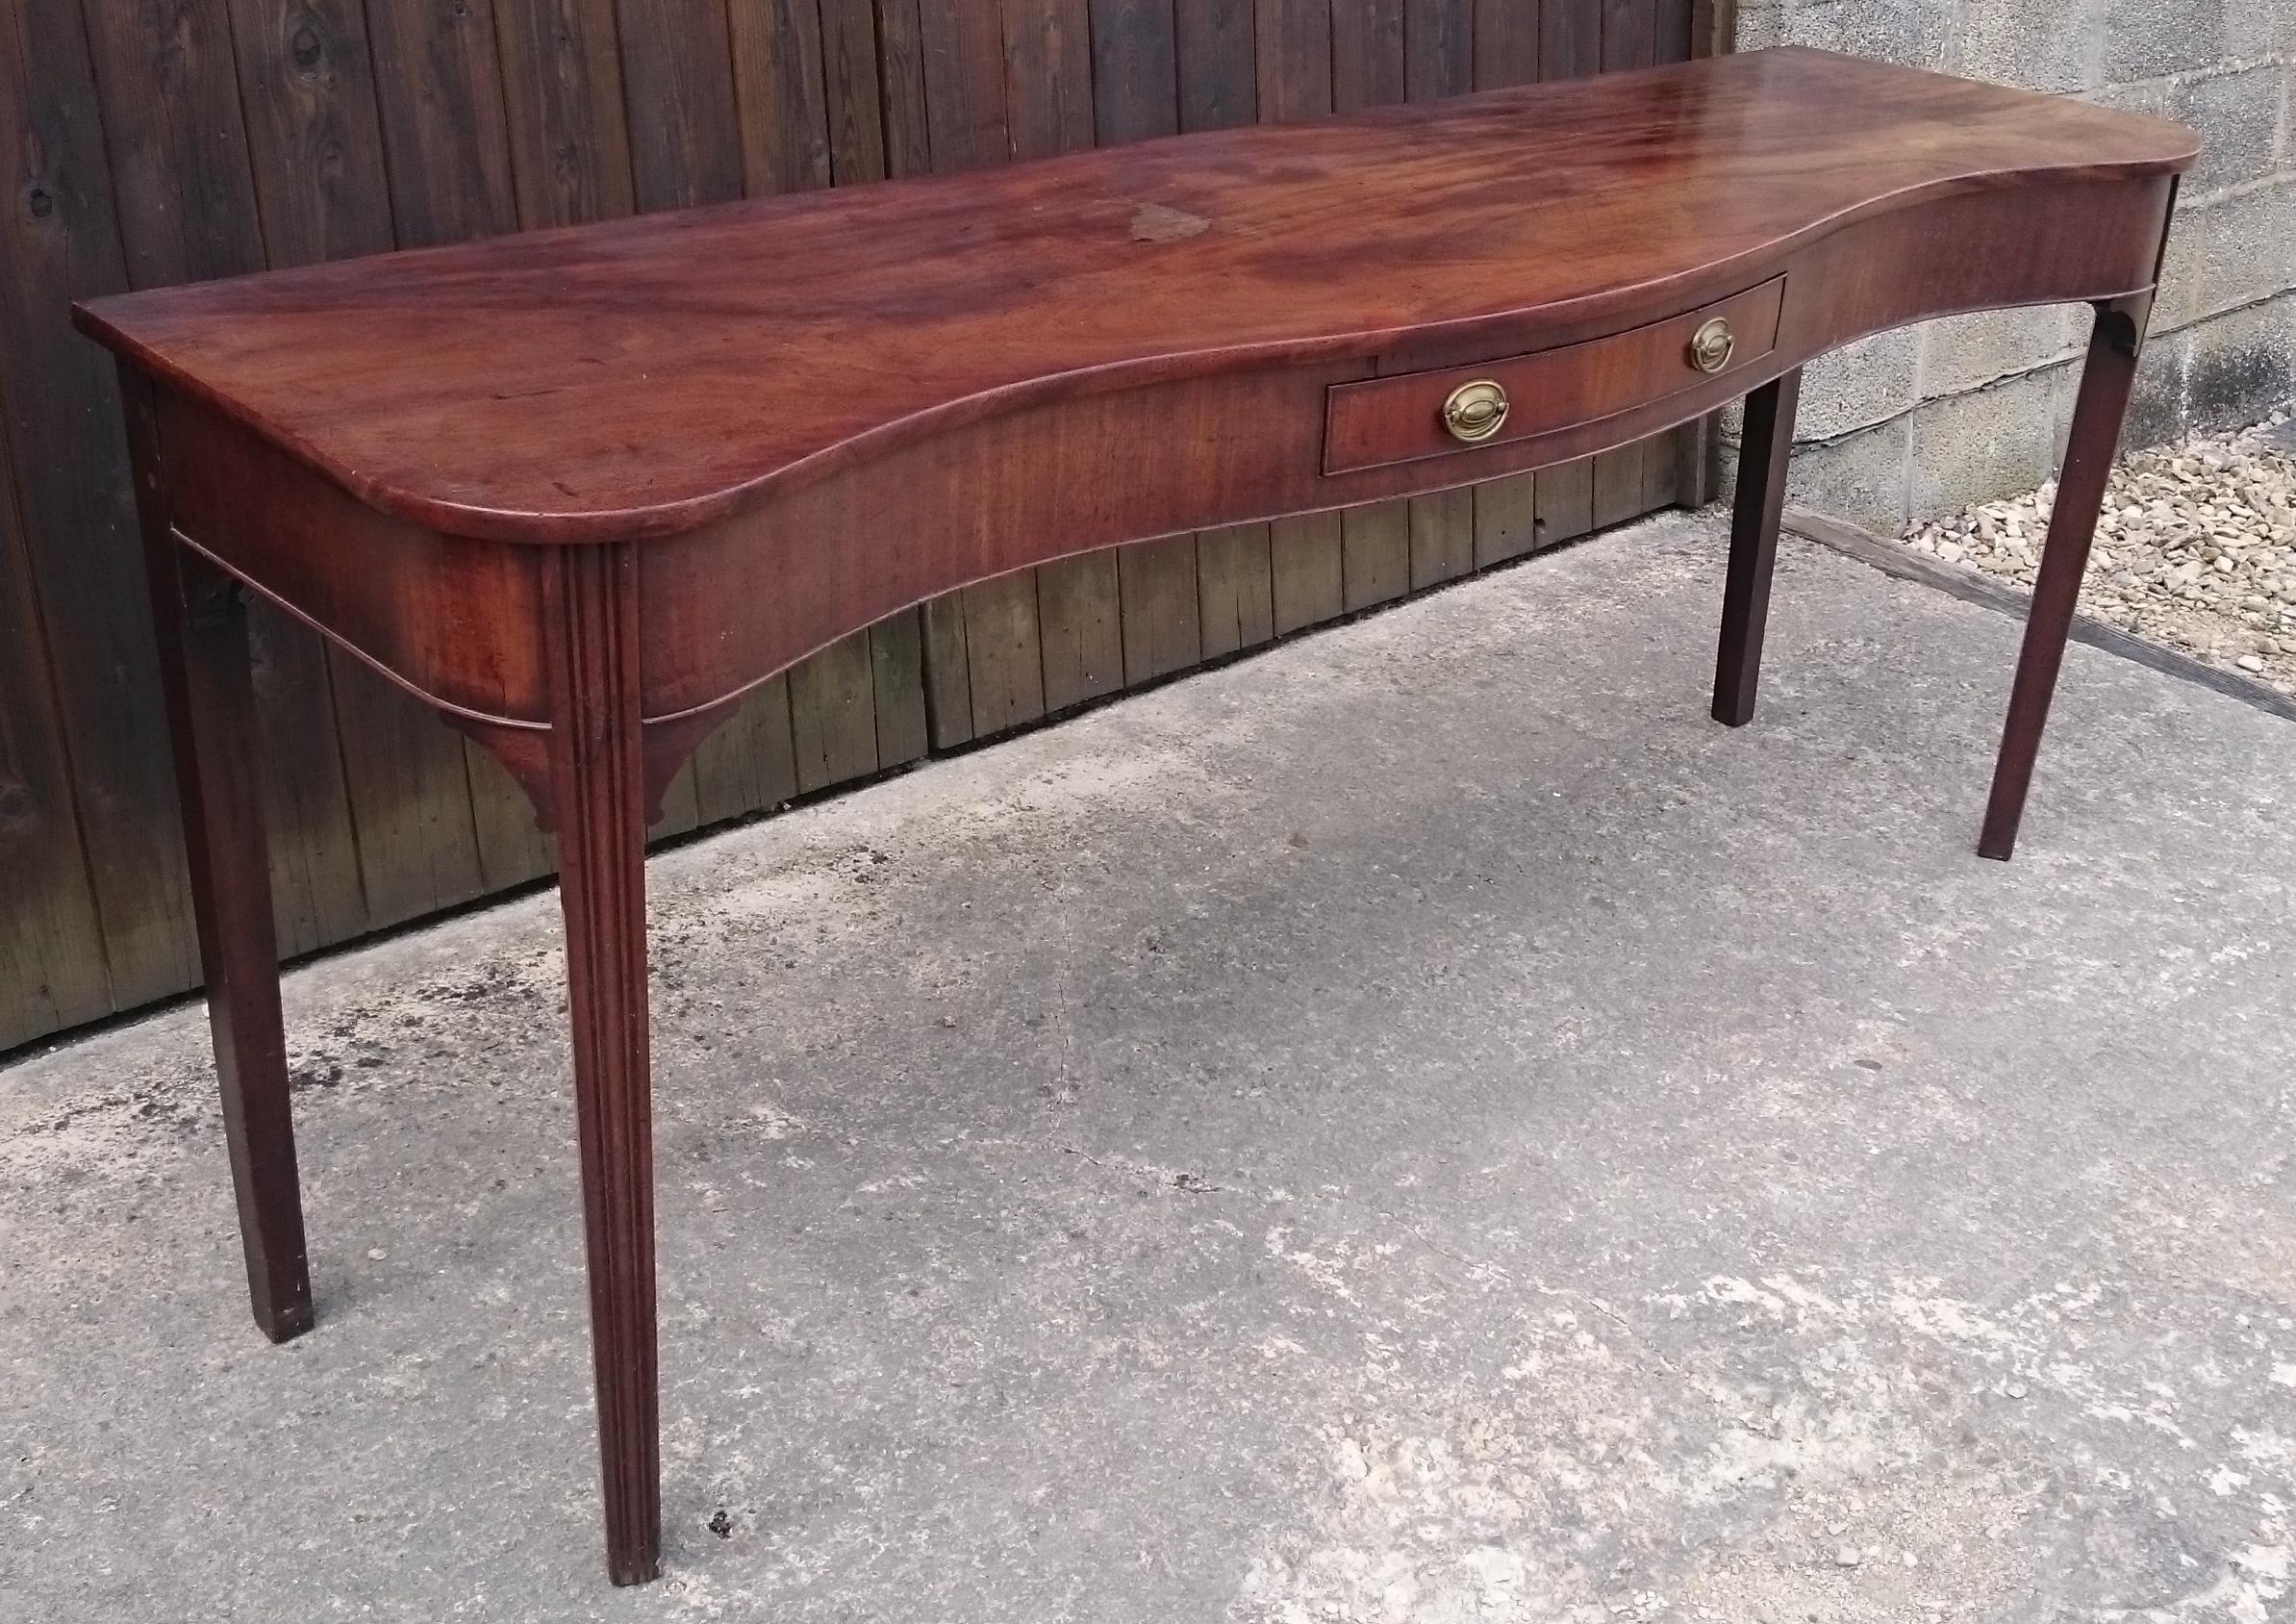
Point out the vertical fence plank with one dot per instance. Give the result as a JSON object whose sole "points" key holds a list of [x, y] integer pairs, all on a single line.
{"points": [[1081, 620], [964, 85], [1292, 52], [896, 677], [852, 99], [948, 683], [677, 85], [1135, 70], [1367, 54], [73, 501], [1213, 42], [52, 970], [1048, 83], [439, 85], [1162, 626], [1506, 42], [833, 714], [1306, 567], [1506, 520], [784, 115], [1234, 589], [1442, 537], [752, 762], [1438, 48], [900, 73], [1004, 661], [313, 139], [570, 139]]}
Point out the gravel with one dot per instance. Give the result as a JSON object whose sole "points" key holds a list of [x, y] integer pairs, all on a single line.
{"points": [[2195, 549]]}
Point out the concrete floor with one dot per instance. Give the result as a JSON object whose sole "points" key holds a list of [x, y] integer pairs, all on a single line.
{"points": [[1420, 1124]]}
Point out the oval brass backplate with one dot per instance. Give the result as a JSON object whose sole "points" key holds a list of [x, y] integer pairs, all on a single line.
{"points": [[1711, 344], [1474, 410]]}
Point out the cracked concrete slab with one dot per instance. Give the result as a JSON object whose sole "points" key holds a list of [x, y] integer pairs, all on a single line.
{"points": [[1418, 1124]]}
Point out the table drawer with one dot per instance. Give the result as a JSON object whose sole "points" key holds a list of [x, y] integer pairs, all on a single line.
{"points": [[1414, 415]]}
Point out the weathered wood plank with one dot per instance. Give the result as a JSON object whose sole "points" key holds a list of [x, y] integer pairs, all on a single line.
{"points": [[687, 143], [1442, 531], [1048, 83], [852, 101], [1506, 520], [1235, 589], [901, 70], [948, 684], [1306, 565], [1506, 42], [439, 85], [1080, 629], [52, 968], [833, 715], [562, 86], [896, 667], [750, 763], [1367, 54], [784, 118], [964, 84], [1570, 39], [1293, 49], [77, 527], [1213, 46], [1375, 553], [1135, 70], [1005, 665], [1565, 499], [1438, 48], [1163, 631], [1617, 495]]}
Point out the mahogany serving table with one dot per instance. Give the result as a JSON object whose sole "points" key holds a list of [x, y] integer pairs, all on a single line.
{"points": [[583, 490]]}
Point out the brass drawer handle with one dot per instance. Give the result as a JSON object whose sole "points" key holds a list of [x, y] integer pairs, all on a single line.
{"points": [[1710, 346], [1474, 410]]}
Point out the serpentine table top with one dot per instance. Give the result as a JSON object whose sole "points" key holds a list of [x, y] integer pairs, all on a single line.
{"points": [[582, 489]]}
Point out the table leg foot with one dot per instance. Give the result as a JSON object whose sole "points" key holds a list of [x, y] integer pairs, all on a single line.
{"points": [[599, 795], [2106, 379], [1762, 457], [199, 620]]}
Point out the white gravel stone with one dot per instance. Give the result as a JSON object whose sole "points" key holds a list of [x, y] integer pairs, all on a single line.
{"points": [[2195, 548]]}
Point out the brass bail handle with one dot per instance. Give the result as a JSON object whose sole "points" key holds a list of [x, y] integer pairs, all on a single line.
{"points": [[1711, 344], [1474, 410]]}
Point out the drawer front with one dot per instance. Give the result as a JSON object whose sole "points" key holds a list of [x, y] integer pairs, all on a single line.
{"points": [[1414, 415]]}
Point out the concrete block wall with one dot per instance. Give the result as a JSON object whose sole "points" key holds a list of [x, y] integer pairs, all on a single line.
{"points": [[1909, 425]]}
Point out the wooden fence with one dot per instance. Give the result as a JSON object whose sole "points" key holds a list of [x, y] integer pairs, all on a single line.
{"points": [[153, 141]]}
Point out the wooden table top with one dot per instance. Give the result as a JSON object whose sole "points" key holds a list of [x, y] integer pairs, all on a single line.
{"points": [[645, 376]]}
